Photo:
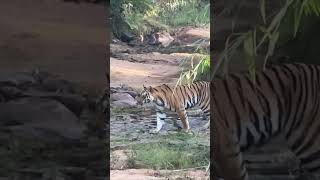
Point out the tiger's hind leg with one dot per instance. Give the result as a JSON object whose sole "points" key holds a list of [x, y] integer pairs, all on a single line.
{"points": [[304, 142], [306, 147], [226, 154], [207, 125], [229, 162], [207, 116]]}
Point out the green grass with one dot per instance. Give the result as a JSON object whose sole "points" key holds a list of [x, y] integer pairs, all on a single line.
{"points": [[178, 151]]}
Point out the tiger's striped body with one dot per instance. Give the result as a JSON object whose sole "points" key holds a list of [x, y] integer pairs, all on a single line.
{"points": [[178, 99], [284, 99]]}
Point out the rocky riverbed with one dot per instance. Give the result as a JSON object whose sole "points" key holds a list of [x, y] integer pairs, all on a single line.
{"points": [[48, 129]]}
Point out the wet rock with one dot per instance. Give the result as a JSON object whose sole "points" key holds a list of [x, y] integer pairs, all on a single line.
{"points": [[45, 119]]}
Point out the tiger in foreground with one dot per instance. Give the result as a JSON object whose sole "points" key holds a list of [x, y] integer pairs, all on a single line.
{"points": [[284, 99], [177, 99]]}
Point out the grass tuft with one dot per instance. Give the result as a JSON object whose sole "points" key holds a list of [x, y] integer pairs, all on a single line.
{"points": [[177, 151]]}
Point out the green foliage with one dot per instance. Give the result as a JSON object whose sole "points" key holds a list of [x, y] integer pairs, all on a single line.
{"points": [[118, 23], [284, 25], [184, 12], [130, 15], [144, 16], [304, 8], [196, 67], [139, 15], [199, 69]]}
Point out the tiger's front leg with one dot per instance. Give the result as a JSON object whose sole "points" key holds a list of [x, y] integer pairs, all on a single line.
{"points": [[160, 121], [184, 118]]}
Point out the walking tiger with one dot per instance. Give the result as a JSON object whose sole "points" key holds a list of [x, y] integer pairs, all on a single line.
{"points": [[284, 99], [178, 99]]}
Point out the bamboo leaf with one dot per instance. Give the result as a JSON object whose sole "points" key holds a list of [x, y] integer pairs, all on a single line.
{"points": [[272, 44], [275, 22], [263, 10], [298, 15], [249, 51]]}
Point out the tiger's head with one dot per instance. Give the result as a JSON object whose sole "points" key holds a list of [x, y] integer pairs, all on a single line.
{"points": [[146, 96]]}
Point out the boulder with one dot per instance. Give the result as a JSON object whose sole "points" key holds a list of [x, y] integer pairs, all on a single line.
{"points": [[131, 93], [58, 85], [120, 96], [162, 38], [10, 92], [72, 101], [50, 82], [123, 99], [45, 119]]}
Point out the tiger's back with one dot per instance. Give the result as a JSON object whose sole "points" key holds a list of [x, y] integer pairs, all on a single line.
{"points": [[184, 96]]}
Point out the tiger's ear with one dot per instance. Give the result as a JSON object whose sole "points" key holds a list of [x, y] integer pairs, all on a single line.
{"points": [[150, 89], [144, 87]]}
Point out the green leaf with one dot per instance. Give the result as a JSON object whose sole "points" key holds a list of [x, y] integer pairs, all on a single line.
{"points": [[272, 44], [263, 10], [249, 51], [298, 15]]}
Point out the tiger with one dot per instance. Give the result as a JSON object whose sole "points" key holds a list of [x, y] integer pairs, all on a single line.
{"points": [[177, 99], [249, 111]]}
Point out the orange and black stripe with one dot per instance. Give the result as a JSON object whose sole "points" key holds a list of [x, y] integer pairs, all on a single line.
{"points": [[283, 99]]}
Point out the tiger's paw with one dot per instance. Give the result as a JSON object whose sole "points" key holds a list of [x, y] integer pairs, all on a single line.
{"points": [[207, 125], [189, 131]]}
